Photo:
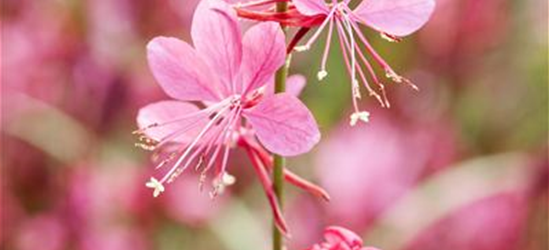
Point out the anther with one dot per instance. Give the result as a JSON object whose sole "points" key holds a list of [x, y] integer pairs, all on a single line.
{"points": [[156, 186], [359, 116], [302, 48], [322, 74]]}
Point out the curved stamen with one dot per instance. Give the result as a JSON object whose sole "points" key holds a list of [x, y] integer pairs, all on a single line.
{"points": [[343, 42], [384, 102], [221, 139], [315, 36], [323, 73], [195, 141], [347, 25], [209, 109]]}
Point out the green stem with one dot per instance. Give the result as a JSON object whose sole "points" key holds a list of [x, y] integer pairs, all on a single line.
{"points": [[279, 161]]}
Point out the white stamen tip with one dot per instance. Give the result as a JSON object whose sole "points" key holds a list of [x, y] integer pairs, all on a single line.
{"points": [[322, 74], [156, 185], [359, 116], [228, 179], [221, 183], [301, 48], [393, 76]]}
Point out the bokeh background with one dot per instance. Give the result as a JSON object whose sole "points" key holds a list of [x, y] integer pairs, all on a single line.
{"points": [[461, 164]]}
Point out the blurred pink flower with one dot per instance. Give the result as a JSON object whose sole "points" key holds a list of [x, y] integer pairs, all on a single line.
{"points": [[187, 204], [338, 238], [462, 30], [45, 232], [98, 195], [36, 42], [306, 220], [492, 223], [233, 91], [368, 168], [392, 18], [114, 238]]}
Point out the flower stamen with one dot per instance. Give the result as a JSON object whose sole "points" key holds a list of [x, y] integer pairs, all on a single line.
{"points": [[359, 116], [156, 186]]}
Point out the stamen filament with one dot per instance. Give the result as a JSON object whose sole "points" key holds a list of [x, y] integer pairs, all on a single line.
{"points": [[323, 73], [315, 36], [342, 37], [195, 141]]}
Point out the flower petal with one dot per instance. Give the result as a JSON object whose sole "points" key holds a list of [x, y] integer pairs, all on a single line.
{"points": [[335, 235], [264, 53], [162, 119], [311, 7], [284, 125], [395, 17], [180, 71], [217, 38]]}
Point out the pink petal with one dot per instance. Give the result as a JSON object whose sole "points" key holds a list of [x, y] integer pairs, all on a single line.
{"points": [[311, 7], [264, 53], [395, 17], [217, 37], [339, 238], [294, 85], [335, 235], [164, 113], [284, 125], [180, 71]]}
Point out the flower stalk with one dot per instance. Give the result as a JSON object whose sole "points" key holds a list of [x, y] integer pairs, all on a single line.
{"points": [[279, 161]]}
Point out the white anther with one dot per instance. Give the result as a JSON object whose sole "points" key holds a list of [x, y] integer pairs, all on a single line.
{"points": [[359, 116], [322, 74], [156, 185], [221, 183], [302, 48]]}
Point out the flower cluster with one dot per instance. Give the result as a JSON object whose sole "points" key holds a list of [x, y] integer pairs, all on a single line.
{"points": [[223, 93]]}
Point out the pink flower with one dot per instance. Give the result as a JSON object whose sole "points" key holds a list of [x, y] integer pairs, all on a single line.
{"points": [[370, 159], [494, 222], [185, 203], [43, 232], [339, 238], [229, 74], [392, 18]]}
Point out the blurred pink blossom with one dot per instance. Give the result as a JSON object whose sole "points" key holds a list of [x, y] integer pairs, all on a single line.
{"points": [[365, 169], [462, 30], [97, 195], [338, 238], [305, 218], [45, 232], [186, 203], [114, 238], [492, 223]]}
